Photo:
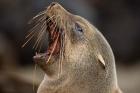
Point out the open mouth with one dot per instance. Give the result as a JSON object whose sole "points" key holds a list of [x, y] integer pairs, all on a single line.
{"points": [[49, 25], [54, 39]]}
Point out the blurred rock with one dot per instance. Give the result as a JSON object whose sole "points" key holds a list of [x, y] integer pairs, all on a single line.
{"points": [[8, 54]]}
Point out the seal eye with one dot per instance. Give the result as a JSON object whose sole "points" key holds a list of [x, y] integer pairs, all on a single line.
{"points": [[78, 28]]}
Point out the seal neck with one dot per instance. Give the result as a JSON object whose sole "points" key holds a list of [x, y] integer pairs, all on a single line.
{"points": [[56, 81]]}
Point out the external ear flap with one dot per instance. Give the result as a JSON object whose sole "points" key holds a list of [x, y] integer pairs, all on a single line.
{"points": [[101, 60]]}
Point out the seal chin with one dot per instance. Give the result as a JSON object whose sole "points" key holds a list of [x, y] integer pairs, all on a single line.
{"points": [[41, 59]]}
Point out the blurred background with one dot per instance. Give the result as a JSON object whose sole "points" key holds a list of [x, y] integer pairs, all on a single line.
{"points": [[118, 20]]}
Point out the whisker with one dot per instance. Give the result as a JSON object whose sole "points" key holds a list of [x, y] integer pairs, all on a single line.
{"points": [[32, 31], [61, 50], [40, 34], [55, 24], [35, 27], [50, 18], [41, 19], [28, 40], [53, 28], [38, 15], [53, 49], [34, 74], [41, 13], [40, 37], [41, 24], [53, 31]]}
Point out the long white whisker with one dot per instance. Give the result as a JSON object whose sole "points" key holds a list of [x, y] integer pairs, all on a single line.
{"points": [[56, 41], [40, 34], [32, 30], [41, 13], [28, 40], [50, 18]]}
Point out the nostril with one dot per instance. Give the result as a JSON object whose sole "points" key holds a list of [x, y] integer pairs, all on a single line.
{"points": [[53, 4]]}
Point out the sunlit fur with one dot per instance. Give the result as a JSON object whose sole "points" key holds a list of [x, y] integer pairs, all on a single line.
{"points": [[86, 63]]}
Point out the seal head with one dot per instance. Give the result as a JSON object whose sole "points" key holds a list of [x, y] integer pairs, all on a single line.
{"points": [[78, 58]]}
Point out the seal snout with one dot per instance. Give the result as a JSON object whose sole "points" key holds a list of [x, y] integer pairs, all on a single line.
{"points": [[53, 4]]}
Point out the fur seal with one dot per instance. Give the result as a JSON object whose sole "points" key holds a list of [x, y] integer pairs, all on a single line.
{"points": [[78, 58]]}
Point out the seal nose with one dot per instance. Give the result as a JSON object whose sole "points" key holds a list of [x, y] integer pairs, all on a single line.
{"points": [[53, 4]]}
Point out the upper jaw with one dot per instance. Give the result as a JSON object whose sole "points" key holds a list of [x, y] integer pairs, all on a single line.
{"points": [[43, 58]]}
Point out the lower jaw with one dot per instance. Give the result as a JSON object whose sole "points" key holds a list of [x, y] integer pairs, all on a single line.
{"points": [[42, 58], [51, 69]]}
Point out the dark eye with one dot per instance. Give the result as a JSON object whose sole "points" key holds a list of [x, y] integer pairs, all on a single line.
{"points": [[78, 28]]}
